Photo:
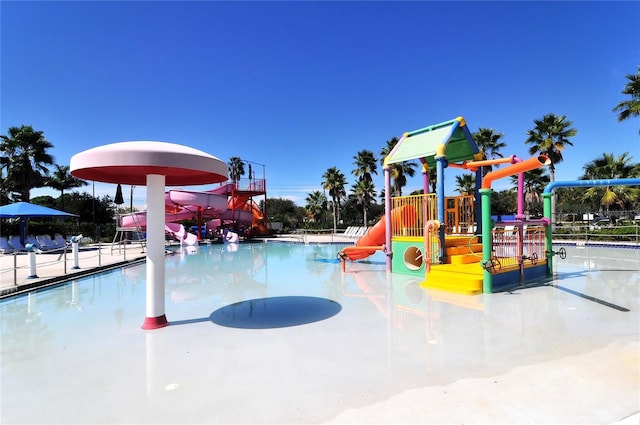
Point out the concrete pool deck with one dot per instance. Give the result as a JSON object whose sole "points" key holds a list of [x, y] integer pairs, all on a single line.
{"points": [[537, 355], [52, 267]]}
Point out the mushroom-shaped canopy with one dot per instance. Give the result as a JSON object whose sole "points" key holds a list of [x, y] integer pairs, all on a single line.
{"points": [[131, 162]]}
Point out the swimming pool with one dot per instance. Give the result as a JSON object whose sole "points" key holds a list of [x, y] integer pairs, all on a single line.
{"points": [[275, 333]]}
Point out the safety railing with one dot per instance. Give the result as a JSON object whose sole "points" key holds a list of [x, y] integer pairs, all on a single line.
{"points": [[416, 211], [432, 243], [459, 214], [504, 245], [516, 244], [251, 185], [23, 269], [626, 234], [533, 246]]}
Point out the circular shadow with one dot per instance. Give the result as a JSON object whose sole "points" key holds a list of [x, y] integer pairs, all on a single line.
{"points": [[275, 312]]}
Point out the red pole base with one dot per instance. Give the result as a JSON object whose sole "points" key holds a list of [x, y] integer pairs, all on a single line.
{"points": [[155, 322]]}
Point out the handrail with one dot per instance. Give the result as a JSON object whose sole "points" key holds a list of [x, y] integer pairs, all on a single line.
{"points": [[52, 266], [430, 228]]}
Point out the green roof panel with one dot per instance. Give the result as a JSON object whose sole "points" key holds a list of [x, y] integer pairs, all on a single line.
{"points": [[422, 144]]}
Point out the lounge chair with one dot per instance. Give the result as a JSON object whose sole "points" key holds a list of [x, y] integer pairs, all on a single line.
{"points": [[4, 246], [46, 243], [357, 231], [60, 241], [34, 242], [14, 241], [354, 232]]}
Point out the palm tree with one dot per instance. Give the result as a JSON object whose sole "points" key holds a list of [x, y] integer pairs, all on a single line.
{"points": [[609, 167], [62, 179], [631, 107], [398, 171], [466, 184], [316, 205], [365, 193], [25, 159], [489, 144], [433, 182], [534, 183], [549, 137], [236, 169], [366, 165], [334, 181]]}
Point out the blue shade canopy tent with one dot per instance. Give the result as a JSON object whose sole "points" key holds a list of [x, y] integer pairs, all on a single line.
{"points": [[25, 210]]}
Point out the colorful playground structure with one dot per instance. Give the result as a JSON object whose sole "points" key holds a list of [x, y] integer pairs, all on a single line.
{"points": [[452, 242], [230, 206]]}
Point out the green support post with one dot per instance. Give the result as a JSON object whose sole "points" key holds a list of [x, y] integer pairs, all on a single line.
{"points": [[487, 241], [548, 244]]}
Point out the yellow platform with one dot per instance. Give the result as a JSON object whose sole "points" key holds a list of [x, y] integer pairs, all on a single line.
{"points": [[464, 249], [458, 278], [464, 259], [462, 272], [451, 241]]}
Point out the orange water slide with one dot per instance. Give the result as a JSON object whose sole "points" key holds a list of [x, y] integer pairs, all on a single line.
{"points": [[258, 225], [251, 213], [374, 239]]}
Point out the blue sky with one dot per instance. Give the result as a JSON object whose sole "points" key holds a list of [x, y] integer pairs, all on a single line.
{"points": [[303, 86]]}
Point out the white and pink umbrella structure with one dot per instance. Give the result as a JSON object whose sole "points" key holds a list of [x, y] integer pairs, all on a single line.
{"points": [[156, 165]]}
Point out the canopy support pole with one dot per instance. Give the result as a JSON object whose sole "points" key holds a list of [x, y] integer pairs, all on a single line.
{"points": [[155, 272]]}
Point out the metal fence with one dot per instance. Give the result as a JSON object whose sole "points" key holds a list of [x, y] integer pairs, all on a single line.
{"points": [[627, 234], [412, 213], [459, 217], [513, 244], [28, 268], [459, 214], [251, 185]]}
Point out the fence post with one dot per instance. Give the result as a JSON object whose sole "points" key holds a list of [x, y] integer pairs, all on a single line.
{"points": [[15, 269], [98, 237], [32, 265], [75, 251], [487, 242], [32, 261]]}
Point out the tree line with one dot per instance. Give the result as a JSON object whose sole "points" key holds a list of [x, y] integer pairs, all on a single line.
{"points": [[26, 164], [550, 136]]}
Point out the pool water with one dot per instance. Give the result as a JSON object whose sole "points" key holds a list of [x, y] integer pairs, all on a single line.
{"points": [[276, 333]]}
